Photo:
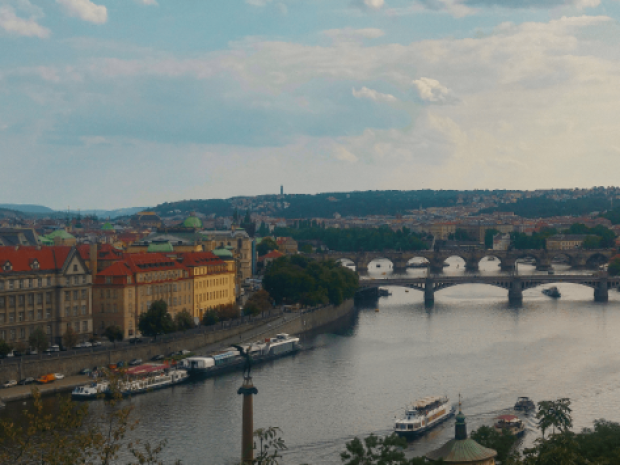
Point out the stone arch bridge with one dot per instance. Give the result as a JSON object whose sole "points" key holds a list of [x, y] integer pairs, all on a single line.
{"points": [[576, 258], [514, 284]]}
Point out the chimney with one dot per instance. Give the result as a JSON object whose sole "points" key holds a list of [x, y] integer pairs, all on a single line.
{"points": [[93, 260]]}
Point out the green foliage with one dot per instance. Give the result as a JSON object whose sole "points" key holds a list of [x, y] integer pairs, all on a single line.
{"points": [[268, 446], [263, 230], [113, 333], [184, 321], [156, 320], [358, 239], [374, 450], [297, 279], [554, 414], [541, 207], [602, 443], [38, 340], [488, 237], [227, 311], [592, 242], [614, 267], [599, 237], [537, 240], [306, 248], [210, 318], [461, 235], [267, 245], [70, 338], [501, 442], [259, 302], [5, 347], [613, 216]]}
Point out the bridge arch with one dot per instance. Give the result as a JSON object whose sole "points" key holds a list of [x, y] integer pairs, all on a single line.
{"points": [[561, 258], [596, 259], [380, 263], [491, 257]]}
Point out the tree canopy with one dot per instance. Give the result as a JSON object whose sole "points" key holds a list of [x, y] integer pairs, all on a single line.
{"points": [[113, 333], [184, 321], [297, 279], [267, 245], [257, 303], [70, 338], [38, 340], [156, 320]]}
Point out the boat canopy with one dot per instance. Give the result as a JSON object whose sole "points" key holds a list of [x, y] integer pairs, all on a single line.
{"points": [[145, 369], [423, 403], [508, 418]]}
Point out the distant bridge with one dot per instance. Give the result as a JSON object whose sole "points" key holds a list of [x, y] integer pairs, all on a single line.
{"points": [[576, 258], [515, 284]]}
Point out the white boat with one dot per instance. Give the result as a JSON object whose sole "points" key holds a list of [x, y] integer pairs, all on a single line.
{"points": [[228, 359], [150, 381], [423, 415], [90, 391]]}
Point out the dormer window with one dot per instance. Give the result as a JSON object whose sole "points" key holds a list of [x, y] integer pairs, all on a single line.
{"points": [[7, 266], [34, 264]]}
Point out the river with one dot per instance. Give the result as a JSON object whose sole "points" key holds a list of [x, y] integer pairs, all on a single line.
{"points": [[355, 381]]}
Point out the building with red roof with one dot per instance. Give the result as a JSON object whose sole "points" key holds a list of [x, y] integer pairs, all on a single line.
{"points": [[44, 287]]}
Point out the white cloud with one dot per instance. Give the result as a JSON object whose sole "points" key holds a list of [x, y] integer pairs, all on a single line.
{"points": [[85, 10], [373, 95], [13, 24], [368, 4], [431, 90], [147, 2], [258, 2], [342, 154]]}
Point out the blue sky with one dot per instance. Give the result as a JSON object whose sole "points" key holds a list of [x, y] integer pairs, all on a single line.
{"points": [[116, 103]]}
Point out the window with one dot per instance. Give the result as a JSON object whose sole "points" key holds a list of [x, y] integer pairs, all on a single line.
{"points": [[48, 330], [22, 333], [40, 282], [115, 293], [48, 297], [39, 314], [130, 307], [12, 333], [20, 316], [11, 317], [76, 280], [75, 268], [21, 299], [75, 310], [29, 283], [85, 326], [67, 295], [108, 280], [39, 299], [2, 316], [68, 311], [129, 293], [115, 309], [77, 326], [31, 315], [49, 281], [48, 314], [76, 295], [174, 301], [2, 302], [30, 299], [128, 279], [11, 285], [83, 294], [108, 293], [102, 294], [84, 279], [3, 335], [1, 285], [83, 309]]}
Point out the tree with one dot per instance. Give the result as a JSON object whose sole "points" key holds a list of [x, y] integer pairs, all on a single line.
{"points": [[614, 267], [210, 318], [259, 302], [39, 340], [70, 338], [501, 442], [5, 348], [306, 248], [489, 234], [184, 321], [375, 450], [114, 333], [556, 414], [267, 245], [227, 311], [156, 320]]}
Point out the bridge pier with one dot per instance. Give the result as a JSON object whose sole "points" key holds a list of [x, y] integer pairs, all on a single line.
{"points": [[507, 265], [543, 266], [399, 267], [472, 265], [515, 292], [429, 292], [361, 266], [601, 291], [436, 266]]}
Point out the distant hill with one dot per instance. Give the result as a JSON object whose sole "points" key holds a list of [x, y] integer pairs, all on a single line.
{"points": [[26, 208], [115, 213]]}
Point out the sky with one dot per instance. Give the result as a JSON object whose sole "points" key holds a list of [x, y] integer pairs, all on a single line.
{"points": [[117, 103]]}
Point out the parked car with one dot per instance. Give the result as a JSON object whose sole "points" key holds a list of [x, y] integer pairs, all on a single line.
{"points": [[120, 364], [135, 340], [26, 381], [184, 352], [9, 383], [17, 353], [158, 357], [32, 352], [86, 371], [59, 376], [135, 361], [52, 350], [97, 344], [46, 379], [172, 354]]}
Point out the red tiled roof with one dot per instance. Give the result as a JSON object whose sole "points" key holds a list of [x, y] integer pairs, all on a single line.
{"points": [[116, 269], [49, 258], [141, 263], [272, 254], [200, 259]]}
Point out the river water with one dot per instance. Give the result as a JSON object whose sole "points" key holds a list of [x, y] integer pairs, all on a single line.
{"points": [[354, 381]]}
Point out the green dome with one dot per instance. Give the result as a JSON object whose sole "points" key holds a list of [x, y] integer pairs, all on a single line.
{"points": [[107, 227], [223, 253], [192, 222], [160, 246]]}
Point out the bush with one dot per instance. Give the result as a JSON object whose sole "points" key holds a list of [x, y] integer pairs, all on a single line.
{"points": [[227, 311], [38, 340], [5, 347], [259, 302], [156, 320], [114, 333], [184, 321], [210, 318]]}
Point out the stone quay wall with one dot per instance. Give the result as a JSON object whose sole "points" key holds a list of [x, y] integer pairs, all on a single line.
{"points": [[296, 323]]}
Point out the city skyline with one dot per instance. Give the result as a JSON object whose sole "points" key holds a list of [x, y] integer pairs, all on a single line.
{"points": [[110, 104]]}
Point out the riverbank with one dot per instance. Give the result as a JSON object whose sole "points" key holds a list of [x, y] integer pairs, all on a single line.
{"points": [[297, 323]]}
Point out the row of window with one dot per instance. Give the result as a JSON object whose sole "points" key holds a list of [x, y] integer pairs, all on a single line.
{"points": [[160, 276], [113, 308], [20, 300], [212, 295], [171, 301], [212, 282], [21, 316], [76, 326], [21, 333], [11, 284], [83, 294], [84, 310]]}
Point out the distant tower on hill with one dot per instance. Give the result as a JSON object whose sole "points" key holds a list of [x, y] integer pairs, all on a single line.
{"points": [[281, 190]]}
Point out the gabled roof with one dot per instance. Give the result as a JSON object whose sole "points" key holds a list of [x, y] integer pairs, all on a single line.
{"points": [[273, 254], [21, 258], [117, 269]]}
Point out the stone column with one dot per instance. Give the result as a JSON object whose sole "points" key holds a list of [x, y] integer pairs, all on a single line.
{"points": [[508, 264], [361, 265], [436, 265], [247, 389], [429, 291], [543, 262], [472, 264], [601, 292], [399, 266], [515, 293]]}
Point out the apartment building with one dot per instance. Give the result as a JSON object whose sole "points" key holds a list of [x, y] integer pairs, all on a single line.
{"points": [[129, 286], [46, 287]]}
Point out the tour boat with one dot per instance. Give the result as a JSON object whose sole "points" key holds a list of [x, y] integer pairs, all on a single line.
{"points": [[423, 415], [230, 358], [552, 292], [525, 403], [147, 378], [510, 424], [90, 391]]}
